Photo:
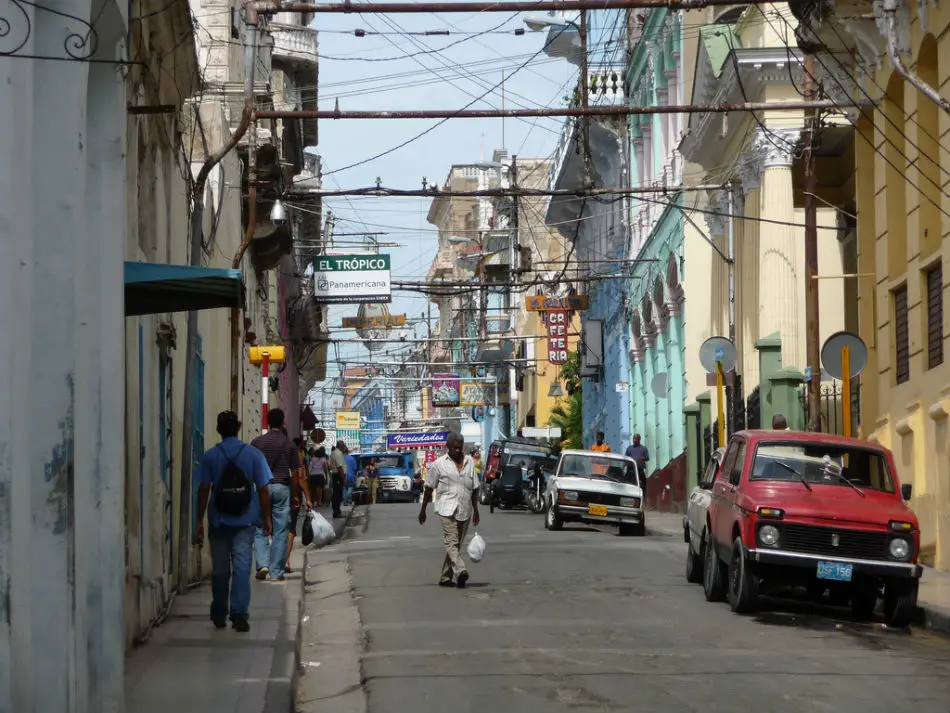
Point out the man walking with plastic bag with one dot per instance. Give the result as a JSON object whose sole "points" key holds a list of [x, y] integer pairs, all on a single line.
{"points": [[453, 479]]}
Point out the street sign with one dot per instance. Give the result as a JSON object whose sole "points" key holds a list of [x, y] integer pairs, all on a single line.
{"points": [[538, 303], [352, 278], [474, 393], [318, 435], [717, 349], [348, 420], [622, 387], [557, 336], [831, 354], [388, 320]]}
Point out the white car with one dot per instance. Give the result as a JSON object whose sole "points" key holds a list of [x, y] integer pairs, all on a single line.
{"points": [[595, 488], [694, 521]]}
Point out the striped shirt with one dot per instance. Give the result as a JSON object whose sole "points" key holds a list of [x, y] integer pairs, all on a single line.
{"points": [[281, 454]]}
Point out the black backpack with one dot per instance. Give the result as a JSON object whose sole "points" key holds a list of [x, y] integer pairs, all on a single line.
{"points": [[234, 490]]}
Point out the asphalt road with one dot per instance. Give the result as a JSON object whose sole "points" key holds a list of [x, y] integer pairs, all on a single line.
{"points": [[585, 620]]}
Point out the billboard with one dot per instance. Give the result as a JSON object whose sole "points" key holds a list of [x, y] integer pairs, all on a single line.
{"points": [[352, 278], [417, 440], [445, 390]]}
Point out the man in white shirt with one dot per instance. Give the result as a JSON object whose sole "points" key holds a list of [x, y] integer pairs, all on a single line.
{"points": [[453, 479]]}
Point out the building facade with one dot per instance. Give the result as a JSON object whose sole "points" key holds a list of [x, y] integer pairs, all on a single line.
{"points": [[903, 240], [749, 54]]}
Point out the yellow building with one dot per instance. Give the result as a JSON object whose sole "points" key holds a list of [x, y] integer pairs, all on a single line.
{"points": [[902, 169]]}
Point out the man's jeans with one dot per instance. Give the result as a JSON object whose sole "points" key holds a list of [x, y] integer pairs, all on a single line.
{"points": [[337, 500], [272, 552], [230, 567]]}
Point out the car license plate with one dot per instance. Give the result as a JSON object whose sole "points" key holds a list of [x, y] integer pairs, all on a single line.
{"points": [[835, 571], [600, 510]]}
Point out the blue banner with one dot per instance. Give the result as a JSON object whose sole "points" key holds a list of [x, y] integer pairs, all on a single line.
{"points": [[417, 440]]}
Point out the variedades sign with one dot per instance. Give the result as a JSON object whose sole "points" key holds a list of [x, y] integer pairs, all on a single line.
{"points": [[417, 440], [352, 278]]}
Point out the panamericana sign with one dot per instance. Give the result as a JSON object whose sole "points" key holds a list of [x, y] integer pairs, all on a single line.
{"points": [[573, 303], [352, 278]]}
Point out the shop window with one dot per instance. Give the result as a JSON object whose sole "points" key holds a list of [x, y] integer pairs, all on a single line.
{"points": [[901, 336], [934, 292]]}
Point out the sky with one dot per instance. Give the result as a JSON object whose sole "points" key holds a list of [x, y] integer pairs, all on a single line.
{"points": [[397, 71]]}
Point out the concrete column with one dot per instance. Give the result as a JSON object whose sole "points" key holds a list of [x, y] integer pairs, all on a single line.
{"points": [[748, 299], [786, 397], [62, 126], [718, 225], [779, 251]]}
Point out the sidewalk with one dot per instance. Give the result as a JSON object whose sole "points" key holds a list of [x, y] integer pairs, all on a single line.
{"points": [[188, 665], [933, 600]]}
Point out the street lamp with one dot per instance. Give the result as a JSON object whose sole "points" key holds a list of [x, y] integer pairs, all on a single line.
{"points": [[564, 38]]}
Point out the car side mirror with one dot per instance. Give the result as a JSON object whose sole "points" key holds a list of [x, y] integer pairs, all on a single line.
{"points": [[906, 490]]}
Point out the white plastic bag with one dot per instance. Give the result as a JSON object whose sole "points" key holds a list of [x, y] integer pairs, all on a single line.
{"points": [[323, 532], [476, 548]]}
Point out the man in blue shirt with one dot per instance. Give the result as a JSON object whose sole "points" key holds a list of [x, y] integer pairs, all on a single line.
{"points": [[351, 467], [232, 535]]}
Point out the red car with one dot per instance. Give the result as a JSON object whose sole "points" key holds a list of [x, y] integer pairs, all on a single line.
{"points": [[812, 509]]}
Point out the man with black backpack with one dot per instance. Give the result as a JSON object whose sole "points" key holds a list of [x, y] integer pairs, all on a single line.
{"points": [[233, 478]]}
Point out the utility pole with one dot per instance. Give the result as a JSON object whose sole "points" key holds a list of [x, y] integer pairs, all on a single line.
{"points": [[812, 333], [585, 102], [731, 391], [514, 252]]}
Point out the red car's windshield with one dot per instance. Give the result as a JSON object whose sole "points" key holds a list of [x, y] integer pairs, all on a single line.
{"points": [[824, 464]]}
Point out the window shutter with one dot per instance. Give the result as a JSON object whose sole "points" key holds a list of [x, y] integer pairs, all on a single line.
{"points": [[935, 317], [901, 336]]}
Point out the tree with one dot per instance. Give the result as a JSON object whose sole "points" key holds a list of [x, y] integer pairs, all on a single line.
{"points": [[568, 413]]}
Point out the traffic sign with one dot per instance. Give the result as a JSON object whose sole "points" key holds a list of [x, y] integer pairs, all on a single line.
{"points": [[717, 349], [831, 354]]}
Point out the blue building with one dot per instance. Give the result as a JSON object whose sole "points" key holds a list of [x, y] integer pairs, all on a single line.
{"points": [[655, 296]]}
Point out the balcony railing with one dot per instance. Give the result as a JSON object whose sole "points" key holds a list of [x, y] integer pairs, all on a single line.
{"points": [[295, 43]]}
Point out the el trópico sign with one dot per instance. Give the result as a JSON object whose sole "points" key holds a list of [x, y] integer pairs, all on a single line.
{"points": [[352, 278]]}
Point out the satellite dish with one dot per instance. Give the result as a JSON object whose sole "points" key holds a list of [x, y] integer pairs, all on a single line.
{"points": [[717, 349], [831, 354], [660, 385]]}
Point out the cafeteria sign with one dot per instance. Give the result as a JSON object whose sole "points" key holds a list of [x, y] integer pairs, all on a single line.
{"points": [[557, 337], [417, 440], [348, 420], [352, 278]]}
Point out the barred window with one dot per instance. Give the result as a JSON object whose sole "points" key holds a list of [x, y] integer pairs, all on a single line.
{"points": [[935, 316], [901, 335]]}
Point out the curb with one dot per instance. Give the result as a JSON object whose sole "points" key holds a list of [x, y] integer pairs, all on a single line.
{"points": [[935, 619], [302, 604]]}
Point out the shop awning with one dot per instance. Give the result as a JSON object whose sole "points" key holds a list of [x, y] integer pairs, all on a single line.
{"points": [[154, 288]]}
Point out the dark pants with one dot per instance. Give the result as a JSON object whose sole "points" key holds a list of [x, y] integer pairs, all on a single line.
{"points": [[337, 493]]}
